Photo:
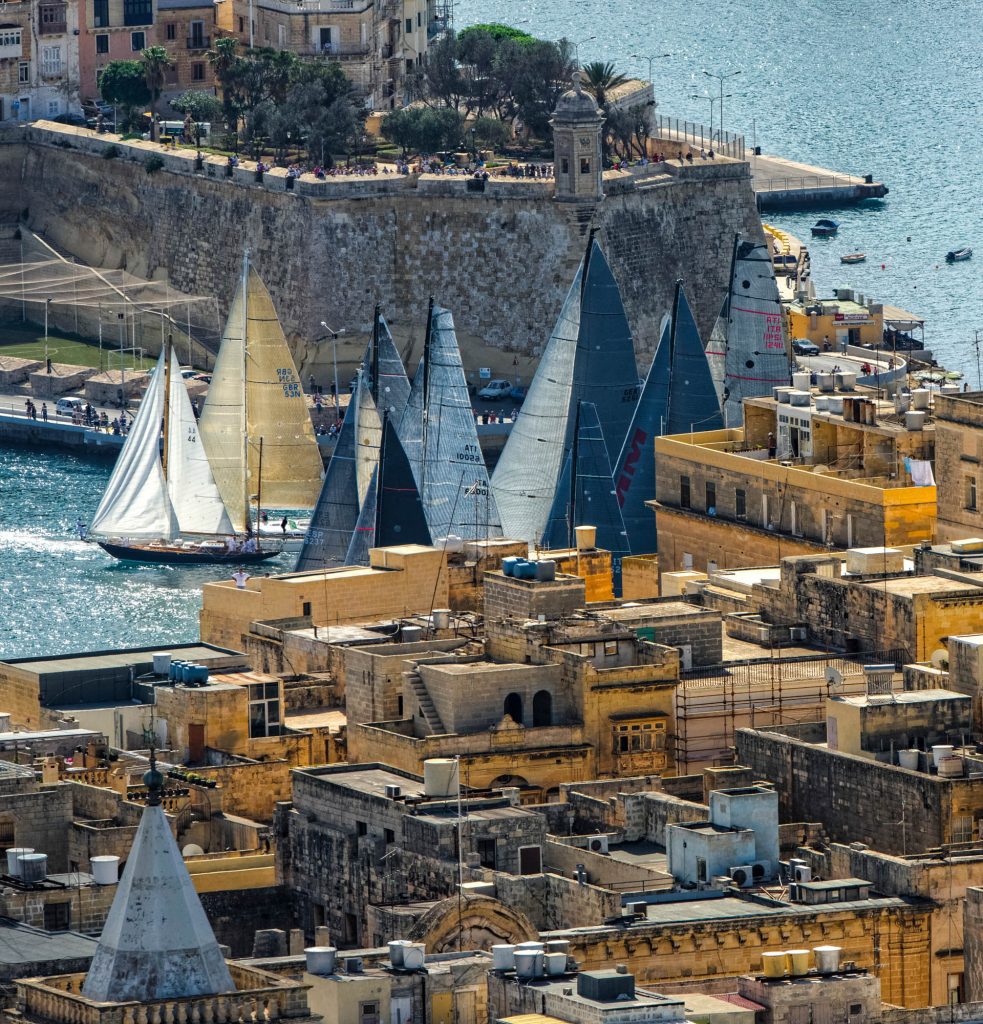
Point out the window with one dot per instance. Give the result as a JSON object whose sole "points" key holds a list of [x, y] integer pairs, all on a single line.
{"points": [[368, 1013], [389, 835], [172, 31], [542, 709], [487, 849], [53, 19], [198, 72], [54, 108], [57, 916], [584, 165], [419, 19], [6, 836], [242, 25], [138, 41], [962, 828], [711, 489], [409, 26], [684, 492], [361, 828], [51, 64], [264, 709], [399, 706], [102, 43], [610, 648], [513, 707], [100, 13], [970, 488], [740, 503], [639, 737], [565, 165], [138, 12], [305, 609], [10, 37], [24, 73], [530, 860]]}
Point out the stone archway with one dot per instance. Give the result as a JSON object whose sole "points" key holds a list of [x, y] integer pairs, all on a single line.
{"points": [[474, 922]]}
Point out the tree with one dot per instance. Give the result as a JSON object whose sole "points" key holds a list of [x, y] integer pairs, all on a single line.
{"points": [[202, 106], [600, 78], [491, 133], [630, 129], [424, 130], [442, 75], [542, 74], [223, 59], [124, 84], [498, 32], [155, 61]]}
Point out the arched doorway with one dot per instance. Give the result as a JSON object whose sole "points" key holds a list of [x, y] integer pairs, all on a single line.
{"points": [[542, 708], [513, 707]]}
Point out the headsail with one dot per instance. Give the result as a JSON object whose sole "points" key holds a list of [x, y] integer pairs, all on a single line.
{"points": [[363, 536], [194, 495], [528, 470], [634, 474], [693, 403], [336, 513], [135, 503], [716, 350], [757, 344]]}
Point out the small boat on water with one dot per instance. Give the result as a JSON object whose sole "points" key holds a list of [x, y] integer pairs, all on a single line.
{"points": [[958, 255], [825, 228], [853, 257]]}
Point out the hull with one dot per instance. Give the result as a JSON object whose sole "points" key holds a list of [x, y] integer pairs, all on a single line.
{"points": [[855, 258], [182, 556]]}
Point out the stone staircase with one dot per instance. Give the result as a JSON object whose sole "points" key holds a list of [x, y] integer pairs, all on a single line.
{"points": [[426, 705]]}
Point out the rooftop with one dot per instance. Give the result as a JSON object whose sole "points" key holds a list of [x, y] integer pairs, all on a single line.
{"points": [[908, 586], [901, 697]]}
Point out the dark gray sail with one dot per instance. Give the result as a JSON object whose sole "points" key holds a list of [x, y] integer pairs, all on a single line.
{"points": [[336, 513], [757, 351], [634, 471], [363, 536], [693, 403]]}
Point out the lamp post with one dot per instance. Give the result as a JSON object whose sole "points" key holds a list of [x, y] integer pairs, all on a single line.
{"points": [[47, 361], [474, 146], [712, 99], [721, 79], [577, 46], [334, 356], [656, 56]]}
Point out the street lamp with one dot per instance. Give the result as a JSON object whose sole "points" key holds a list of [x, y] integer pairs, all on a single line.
{"points": [[712, 99], [642, 56], [721, 79], [334, 356], [577, 46], [474, 147]]}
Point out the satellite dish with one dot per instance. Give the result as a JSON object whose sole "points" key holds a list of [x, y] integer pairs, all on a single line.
{"points": [[192, 850], [834, 677], [940, 658]]}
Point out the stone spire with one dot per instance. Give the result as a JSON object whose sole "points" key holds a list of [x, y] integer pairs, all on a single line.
{"points": [[577, 128], [157, 942]]}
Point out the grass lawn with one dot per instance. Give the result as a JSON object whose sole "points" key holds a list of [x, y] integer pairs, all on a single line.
{"points": [[26, 341]]}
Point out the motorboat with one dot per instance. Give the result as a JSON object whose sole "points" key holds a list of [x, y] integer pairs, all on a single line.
{"points": [[825, 228], [958, 255]]}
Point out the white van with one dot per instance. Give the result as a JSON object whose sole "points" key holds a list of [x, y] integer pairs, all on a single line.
{"points": [[69, 406]]}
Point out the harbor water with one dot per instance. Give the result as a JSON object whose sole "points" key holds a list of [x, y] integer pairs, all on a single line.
{"points": [[58, 594], [884, 88]]}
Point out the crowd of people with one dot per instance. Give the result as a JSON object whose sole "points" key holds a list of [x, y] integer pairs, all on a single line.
{"points": [[32, 410]]}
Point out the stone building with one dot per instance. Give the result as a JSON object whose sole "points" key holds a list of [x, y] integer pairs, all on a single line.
{"points": [[34, 815], [843, 319], [380, 44], [187, 29], [958, 451], [39, 59], [803, 475], [112, 30]]}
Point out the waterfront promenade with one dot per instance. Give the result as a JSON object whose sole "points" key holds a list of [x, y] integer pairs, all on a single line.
{"points": [[781, 184]]}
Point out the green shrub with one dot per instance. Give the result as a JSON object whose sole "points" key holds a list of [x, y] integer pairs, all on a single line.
{"points": [[110, 152], [153, 164]]}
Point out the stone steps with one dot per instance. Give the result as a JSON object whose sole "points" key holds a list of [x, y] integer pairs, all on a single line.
{"points": [[427, 708]]}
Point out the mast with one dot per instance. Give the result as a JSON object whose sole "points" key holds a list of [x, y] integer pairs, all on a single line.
{"points": [[572, 522], [259, 490], [376, 331], [377, 525], [587, 252], [245, 389], [167, 404], [427, 338]]}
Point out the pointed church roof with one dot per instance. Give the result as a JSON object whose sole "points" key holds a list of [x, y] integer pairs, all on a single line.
{"points": [[157, 942]]}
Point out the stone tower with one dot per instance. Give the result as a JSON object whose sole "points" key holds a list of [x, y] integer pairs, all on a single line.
{"points": [[577, 126]]}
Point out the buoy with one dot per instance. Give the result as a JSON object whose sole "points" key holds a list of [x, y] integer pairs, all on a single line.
{"points": [[883, 266], [909, 238]]}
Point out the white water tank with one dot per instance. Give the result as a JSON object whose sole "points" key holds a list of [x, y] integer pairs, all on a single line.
{"points": [[586, 537], [847, 380], [503, 957], [441, 777], [920, 397], [822, 403], [414, 956], [162, 664], [397, 950], [320, 959], [13, 855], [801, 399], [555, 964], [835, 405], [827, 959], [909, 759], [802, 380], [528, 964], [32, 867], [914, 419], [558, 946], [827, 381], [781, 394], [941, 750], [441, 618], [105, 870]]}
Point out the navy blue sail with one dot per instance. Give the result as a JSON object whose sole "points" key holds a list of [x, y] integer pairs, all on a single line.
{"points": [[363, 536], [634, 472], [336, 513], [694, 404], [585, 495], [604, 373]]}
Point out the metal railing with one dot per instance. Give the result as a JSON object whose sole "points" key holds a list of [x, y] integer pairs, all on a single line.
{"points": [[674, 129], [806, 181], [337, 50], [199, 42], [804, 666]]}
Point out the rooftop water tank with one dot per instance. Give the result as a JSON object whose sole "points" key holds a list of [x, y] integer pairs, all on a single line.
{"points": [[847, 380], [827, 959], [441, 618], [162, 664], [798, 962], [914, 419], [940, 750], [414, 956], [586, 537], [320, 959], [32, 867], [781, 394], [827, 381], [397, 949], [503, 957], [909, 759], [105, 870], [555, 964], [774, 964], [799, 398], [802, 380], [529, 964], [951, 767], [441, 777], [920, 397], [13, 855], [411, 634], [835, 405]]}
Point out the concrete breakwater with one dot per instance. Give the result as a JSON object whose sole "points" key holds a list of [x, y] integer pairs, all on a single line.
{"points": [[501, 260]]}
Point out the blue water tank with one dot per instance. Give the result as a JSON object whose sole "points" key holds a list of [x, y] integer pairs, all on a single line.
{"points": [[199, 675], [509, 564], [174, 672], [526, 571]]}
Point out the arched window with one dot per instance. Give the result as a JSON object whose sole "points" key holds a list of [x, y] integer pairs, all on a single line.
{"points": [[513, 707], [542, 708]]}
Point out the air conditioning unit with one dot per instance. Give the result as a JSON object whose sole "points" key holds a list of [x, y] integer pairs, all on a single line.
{"points": [[393, 792], [742, 875], [720, 882], [801, 873], [598, 844], [638, 909], [798, 633], [760, 870]]}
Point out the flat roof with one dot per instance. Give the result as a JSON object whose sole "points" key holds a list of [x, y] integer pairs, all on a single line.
{"points": [[22, 945], [95, 660], [656, 610], [369, 779], [832, 884], [900, 697], [906, 586]]}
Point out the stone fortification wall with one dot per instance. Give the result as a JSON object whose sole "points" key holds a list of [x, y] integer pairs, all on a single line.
{"points": [[501, 260]]}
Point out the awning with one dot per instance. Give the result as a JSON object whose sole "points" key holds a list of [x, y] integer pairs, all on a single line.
{"points": [[901, 319]]}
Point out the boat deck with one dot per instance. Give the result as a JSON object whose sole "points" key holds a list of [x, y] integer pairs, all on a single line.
{"points": [[781, 184]]}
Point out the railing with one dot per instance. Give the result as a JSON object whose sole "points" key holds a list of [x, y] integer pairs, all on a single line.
{"points": [[806, 666], [806, 181], [53, 28], [675, 130], [52, 68], [199, 42], [336, 50]]}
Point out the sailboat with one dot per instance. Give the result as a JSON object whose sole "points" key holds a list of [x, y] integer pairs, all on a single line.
{"points": [[162, 503], [590, 357], [748, 349], [255, 411]]}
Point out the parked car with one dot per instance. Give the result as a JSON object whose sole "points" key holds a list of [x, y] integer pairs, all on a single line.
{"points": [[804, 348], [75, 120], [189, 374], [495, 389], [69, 406]]}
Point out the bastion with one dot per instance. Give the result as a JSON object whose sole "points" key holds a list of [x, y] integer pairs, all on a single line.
{"points": [[501, 258]]}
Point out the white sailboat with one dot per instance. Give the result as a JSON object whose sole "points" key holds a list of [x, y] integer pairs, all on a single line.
{"points": [[162, 503], [255, 417]]}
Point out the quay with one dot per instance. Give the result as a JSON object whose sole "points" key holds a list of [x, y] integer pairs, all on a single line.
{"points": [[781, 184]]}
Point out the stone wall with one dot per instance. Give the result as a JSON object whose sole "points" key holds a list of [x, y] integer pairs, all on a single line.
{"points": [[42, 820], [973, 943], [236, 915], [501, 261]]}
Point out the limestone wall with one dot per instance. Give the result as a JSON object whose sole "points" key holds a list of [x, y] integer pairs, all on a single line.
{"points": [[501, 260]]}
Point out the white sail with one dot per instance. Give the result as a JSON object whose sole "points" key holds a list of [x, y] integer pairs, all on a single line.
{"points": [[136, 503], [194, 495], [528, 471]]}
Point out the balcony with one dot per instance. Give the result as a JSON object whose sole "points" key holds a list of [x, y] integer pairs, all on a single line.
{"points": [[52, 20], [336, 51], [199, 42], [52, 69]]}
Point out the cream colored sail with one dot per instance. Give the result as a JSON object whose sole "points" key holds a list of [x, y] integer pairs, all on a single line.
{"points": [[368, 438], [194, 496], [276, 411]]}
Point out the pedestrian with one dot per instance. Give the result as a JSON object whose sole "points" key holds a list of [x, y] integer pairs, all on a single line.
{"points": [[283, 526], [826, 344], [240, 576], [772, 447], [313, 384], [44, 411], [34, 412]]}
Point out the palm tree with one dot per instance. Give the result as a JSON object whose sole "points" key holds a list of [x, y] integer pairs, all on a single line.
{"points": [[155, 60], [224, 59], [600, 78]]}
